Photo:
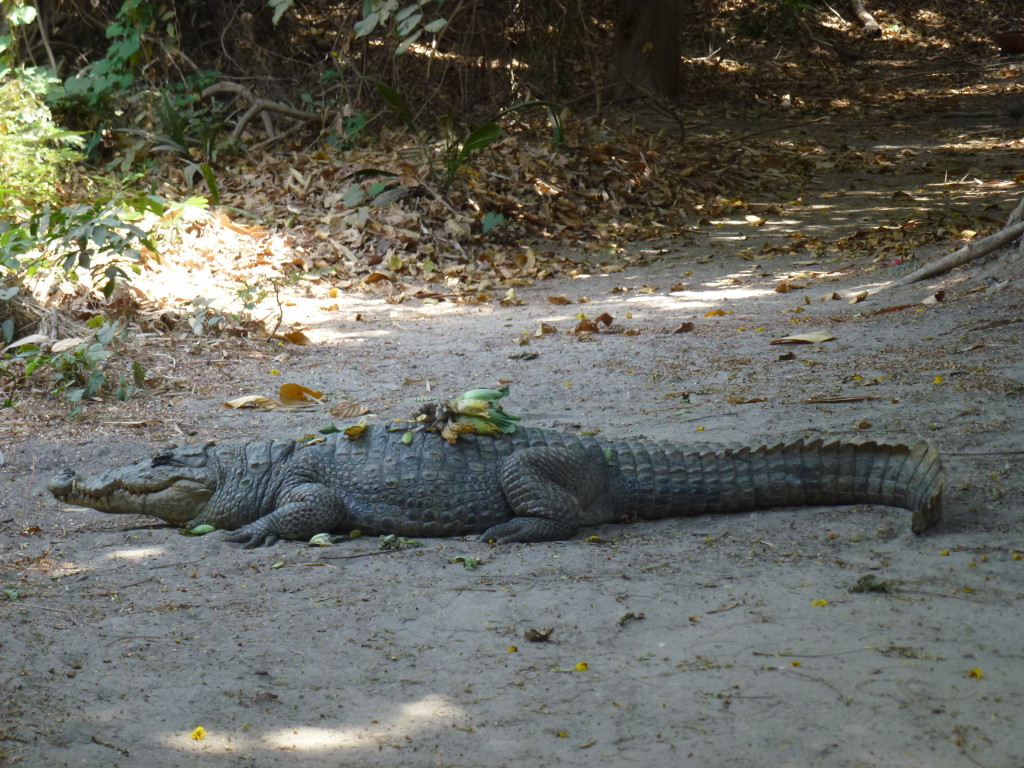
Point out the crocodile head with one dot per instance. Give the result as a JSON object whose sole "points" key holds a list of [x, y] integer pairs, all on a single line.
{"points": [[174, 485]]}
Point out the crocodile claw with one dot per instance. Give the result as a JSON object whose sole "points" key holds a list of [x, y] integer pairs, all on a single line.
{"points": [[252, 535]]}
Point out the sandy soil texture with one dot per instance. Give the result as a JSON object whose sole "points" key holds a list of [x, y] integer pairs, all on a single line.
{"points": [[711, 641]]}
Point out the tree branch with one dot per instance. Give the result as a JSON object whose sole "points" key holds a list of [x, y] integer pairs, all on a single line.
{"points": [[1014, 228], [257, 106]]}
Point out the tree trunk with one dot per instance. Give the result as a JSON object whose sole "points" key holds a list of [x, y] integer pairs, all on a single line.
{"points": [[646, 59]]}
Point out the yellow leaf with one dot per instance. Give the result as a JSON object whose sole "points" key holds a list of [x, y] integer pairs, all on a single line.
{"points": [[944, 553], [274, 372], [819, 603], [794, 663], [198, 734], [581, 667], [562, 735], [938, 379], [355, 430], [716, 313], [253, 401], [1016, 556], [805, 338], [296, 394], [975, 674], [296, 337], [513, 648], [700, 429]]}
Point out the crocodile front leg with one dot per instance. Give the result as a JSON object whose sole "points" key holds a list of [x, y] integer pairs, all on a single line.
{"points": [[552, 492], [302, 512]]}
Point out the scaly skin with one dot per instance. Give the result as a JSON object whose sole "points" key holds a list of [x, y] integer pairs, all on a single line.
{"points": [[532, 485]]}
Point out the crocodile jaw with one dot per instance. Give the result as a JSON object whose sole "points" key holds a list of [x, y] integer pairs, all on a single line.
{"points": [[174, 494]]}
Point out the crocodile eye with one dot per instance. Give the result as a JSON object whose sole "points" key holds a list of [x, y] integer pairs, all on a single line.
{"points": [[165, 457]]}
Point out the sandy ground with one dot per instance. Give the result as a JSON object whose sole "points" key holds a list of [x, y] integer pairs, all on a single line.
{"points": [[711, 641]]}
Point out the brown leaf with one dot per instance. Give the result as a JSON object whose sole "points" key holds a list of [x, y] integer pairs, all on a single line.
{"points": [[684, 327], [348, 409], [815, 337], [253, 401], [559, 300], [535, 635]]}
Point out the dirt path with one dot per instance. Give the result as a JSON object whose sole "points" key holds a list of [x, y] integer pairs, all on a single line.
{"points": [[716, 640]]}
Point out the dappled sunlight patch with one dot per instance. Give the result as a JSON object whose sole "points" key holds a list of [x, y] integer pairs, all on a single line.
{"points": [[410, 719], [137, 553]]}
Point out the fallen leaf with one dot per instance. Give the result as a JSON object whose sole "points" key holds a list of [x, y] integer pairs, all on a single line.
{"points": [[34, 338], [896, 308], [353, 432], [559, 300], [935, 298], [738, 400], [830, 297], [253, 401], [538, 635], [858, 297], [295, 337], [544, 329], [684, 327], [296, 394], [65, 344], [815, 337], [348, 409]]}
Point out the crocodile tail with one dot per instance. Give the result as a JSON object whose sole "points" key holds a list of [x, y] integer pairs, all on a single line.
{"points": [[801, 473], [817, 473]]}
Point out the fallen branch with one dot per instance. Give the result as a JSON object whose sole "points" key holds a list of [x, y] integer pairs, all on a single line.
{"points": [[1014, 228], [871, 28], [257, 106]]}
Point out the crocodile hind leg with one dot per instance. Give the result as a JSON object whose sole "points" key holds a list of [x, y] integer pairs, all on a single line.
{"points": [[552, 492]]}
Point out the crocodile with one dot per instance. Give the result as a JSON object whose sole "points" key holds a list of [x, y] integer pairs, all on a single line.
{"points": [[531, 485]]}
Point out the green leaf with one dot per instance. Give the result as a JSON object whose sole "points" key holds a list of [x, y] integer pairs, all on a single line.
{"points": [[408, 24], [404, 45], [211, 182], [353, 196], [436, 26], [492, 220], [280, 8], [482, 137], [366, 25], [395, 100]]}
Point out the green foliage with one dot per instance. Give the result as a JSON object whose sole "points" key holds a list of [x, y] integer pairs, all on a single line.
{"points": [[115, 72], [457, 153], [408, 21], [97, 237], [36, 152], [351, 128], [76, 373]]}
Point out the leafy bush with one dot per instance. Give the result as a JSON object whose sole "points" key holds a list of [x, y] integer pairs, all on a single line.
{"points": [[36, 152]]}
